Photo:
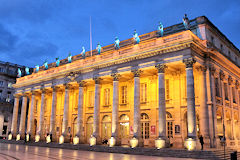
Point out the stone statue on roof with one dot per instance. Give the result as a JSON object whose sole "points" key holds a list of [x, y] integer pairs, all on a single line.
{"points": [[186, 22], [27, 71], [136, 37], [69, 58], [45, 64], [37, 68], [99, 48], [57, 62], [83, 52], [19, 72], [116, 43], [160, 30]]}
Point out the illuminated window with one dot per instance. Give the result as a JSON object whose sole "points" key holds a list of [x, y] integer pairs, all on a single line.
{"points": [[169, 125], [90, 99], [217, 87], [124, 95], [8, 96], [143, 92], [145, 126], [233, 95], [106, 97], [226, 91], [212, 40], [9, 85], [124, 126], [167, 89], [0, 94]]}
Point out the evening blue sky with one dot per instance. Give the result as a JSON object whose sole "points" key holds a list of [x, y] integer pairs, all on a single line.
{"points": [[34, 31]]}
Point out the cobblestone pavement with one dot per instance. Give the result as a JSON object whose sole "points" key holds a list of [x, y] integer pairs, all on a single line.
{"points": [[22, 152]]}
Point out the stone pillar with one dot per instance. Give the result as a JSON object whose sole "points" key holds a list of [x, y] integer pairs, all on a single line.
{"points": [[190, 143], [136, 140], [15, 116], [64, 135], [96, 113], [80, 130], [114, 137], [41, 118], [203, 112], [31, 116], [161, 141], [23, 117], [52, 130]]}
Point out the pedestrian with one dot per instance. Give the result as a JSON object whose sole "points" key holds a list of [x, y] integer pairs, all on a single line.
{"points": [[25, 139], [201, 141]]}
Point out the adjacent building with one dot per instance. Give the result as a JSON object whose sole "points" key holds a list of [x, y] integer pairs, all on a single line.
{"points": [[163, 89]]}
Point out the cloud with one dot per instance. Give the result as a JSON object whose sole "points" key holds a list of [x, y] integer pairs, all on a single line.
{"points": [[7, 39]]}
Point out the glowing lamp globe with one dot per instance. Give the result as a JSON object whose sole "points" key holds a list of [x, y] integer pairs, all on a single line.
{"points": [[10, 137], [190, 144], [134, 142], [92, 141], [18, 137], [61, 139], [112, 142], [159, 143], [37, 138], [75, 140]]}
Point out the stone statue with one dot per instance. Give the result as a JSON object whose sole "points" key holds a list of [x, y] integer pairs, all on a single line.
{"points": [[27, 71], [186, 22], [19, 72], [45, 64], [136, 37], [83, 52], [116, 43], [160, 30], [69, 58], [37, 68], [57, 62], [99, 48]]}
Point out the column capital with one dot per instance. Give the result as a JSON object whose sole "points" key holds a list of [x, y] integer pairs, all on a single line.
{"points": [[161, 68], [16, 96], [136, 72], [189, 62], [97, 80], [55, 88], [67, 85], [34, 92], [221, 75], [230, 80], [81, 83], [237, 84], [43, 90], [115, 76]]}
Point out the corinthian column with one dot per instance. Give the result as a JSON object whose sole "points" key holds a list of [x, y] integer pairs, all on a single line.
{"points": [[160, 142], [15, 116], [136, 140], [64, 137], [53, 114], [23, 117], [190, 143], [79, 132], [31, 115], [114, 138], [95, 139], [41, 118]]}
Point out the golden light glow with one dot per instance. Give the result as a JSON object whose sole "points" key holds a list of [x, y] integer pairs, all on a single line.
{"points": [[92, 141], [112, 142], [27, 137], [159, 143], [134, 142], [190, 144], [18, 137], [48, 139], [37, 138], [75, 140], [10, 137], [61, 139]]}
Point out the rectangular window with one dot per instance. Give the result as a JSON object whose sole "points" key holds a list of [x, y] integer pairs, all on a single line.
{"points": [[36, 106], [106, 97], [9, 85], [0, 94], [124, 95], [212, 40], [90, 99], [217, 87], [143, 92], [1, 83], [233, 95], [226, 91], [167, 89], [8, 97], [221, 47]]}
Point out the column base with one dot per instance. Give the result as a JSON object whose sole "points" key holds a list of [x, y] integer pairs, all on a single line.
{"points": [[10, 136], [37, 138], [190, 144], [134, 142], [92, 141], [160, 143], [114, 142], [48, 139], [75, 140], [61, 139]]}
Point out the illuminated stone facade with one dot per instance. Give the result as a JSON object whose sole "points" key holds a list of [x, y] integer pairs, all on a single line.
{"points": [[170, 89]]}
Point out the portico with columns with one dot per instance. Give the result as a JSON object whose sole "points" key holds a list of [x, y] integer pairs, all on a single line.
{"points": [[158, 93]]}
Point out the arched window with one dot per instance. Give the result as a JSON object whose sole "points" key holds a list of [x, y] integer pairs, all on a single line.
{"points": [[169, 125], [219, 123], [229, 125], [89, 127], [106, 127], [144, 126], [124, 126]]}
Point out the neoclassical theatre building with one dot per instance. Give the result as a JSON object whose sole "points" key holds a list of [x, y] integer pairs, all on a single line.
{"points": [[164, 89]]}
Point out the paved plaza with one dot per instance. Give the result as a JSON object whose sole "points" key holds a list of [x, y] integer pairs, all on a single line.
{"points": [[22, 152]]}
